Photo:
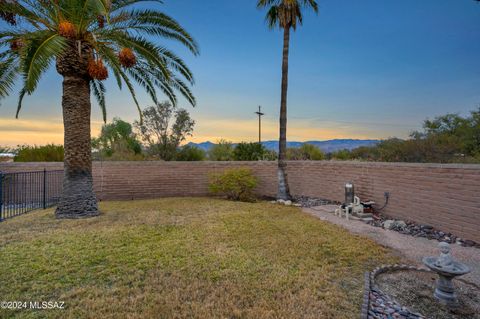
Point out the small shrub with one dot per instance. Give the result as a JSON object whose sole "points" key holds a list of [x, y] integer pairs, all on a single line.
{"points": [[45, 153], [235, 184]]}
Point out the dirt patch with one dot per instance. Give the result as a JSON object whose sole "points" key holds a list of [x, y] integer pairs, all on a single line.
{"points": [[414, 290]]}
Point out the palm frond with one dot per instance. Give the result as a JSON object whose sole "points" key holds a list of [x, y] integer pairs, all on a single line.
{"points": [[286, 13], [8, 74], [98, 89], [141, 76], [21, 95], [28, 12], [42, 48], [149, 22], [120, 4]]}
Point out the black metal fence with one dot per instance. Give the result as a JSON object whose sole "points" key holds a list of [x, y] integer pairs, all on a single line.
{"points": [[22, 192]]}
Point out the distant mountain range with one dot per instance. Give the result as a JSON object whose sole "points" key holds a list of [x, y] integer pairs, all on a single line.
{"points": [[326, 146]]}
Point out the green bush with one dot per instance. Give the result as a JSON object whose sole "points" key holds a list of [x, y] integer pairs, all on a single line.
{"points": [[306, 152], [222, 151], [236, 184], [270, 155], [46, 153], [249, 152], [190, 153], [341, 155]]}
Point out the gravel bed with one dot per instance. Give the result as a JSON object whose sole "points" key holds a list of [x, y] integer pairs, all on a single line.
{"points": [[414, 289], [308, 202], [405, 227], [419, 230]]}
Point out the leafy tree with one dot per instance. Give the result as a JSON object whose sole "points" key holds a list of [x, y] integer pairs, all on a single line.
{"points": [[46, 153], [249, 152], [88, 40], [190, 153], [221, 151], [117, 141], [465, 129], [287, 15], [305, 152], [163, 129]]}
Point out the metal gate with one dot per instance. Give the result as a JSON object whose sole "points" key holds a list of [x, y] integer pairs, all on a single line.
{"points": [[22, 192]]}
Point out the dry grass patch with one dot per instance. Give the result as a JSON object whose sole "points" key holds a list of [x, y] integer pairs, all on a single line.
{"points": [[185, 258]]}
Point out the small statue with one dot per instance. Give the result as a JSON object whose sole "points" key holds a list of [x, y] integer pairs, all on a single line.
{"points": [[445, 259]]}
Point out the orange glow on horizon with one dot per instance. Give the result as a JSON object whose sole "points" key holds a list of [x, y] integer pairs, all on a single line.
{"points": [[40, 132]]}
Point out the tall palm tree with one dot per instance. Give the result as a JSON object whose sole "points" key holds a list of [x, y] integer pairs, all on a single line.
{"points": [[287, 15], [88, 39]]}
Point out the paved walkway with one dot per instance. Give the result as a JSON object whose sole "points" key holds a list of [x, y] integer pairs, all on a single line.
{"points": [[412, 248]]}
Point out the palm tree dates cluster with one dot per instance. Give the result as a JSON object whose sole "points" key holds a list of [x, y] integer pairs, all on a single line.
{"points": [[127, 58], [101, 21], [16, 44], [97, 70], [67, 29]]}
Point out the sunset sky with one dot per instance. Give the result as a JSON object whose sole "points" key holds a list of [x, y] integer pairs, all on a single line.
{"points": [[360, 69]]}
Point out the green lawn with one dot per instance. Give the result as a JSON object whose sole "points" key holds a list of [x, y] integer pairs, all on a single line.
{"points": [[185, 258]]}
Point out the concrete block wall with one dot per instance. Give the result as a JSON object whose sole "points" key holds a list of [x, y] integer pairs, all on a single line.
{"points": [[446, 196]]}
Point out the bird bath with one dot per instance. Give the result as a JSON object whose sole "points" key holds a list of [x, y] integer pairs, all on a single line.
{"points": [[447, 269]]}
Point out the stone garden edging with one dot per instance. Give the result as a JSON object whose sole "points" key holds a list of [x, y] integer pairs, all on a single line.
{"points": [[370, 289]]}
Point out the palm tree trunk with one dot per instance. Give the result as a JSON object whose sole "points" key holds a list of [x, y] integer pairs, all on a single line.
{"points": [[78, 199], [283, 188]]}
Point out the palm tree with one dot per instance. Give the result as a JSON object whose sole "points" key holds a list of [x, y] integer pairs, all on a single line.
{"points": [[88, 39], [285, 14]]}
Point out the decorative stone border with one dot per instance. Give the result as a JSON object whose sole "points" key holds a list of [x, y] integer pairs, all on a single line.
{"points": [[366, 312], [366, 297]]}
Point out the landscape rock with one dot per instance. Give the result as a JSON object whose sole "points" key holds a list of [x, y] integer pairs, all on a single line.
{"points": [[388, 224], [419, 230], [306, 201], [382, 306], [288, 203], [400, 224]]}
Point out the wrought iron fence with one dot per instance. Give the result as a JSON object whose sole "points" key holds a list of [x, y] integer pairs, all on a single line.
{"points": [[22, 192]]}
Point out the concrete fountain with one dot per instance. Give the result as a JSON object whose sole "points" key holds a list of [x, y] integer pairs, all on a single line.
{"points": [[447, 269]]}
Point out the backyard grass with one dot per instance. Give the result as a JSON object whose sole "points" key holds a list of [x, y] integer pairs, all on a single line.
{"points": [[185, 258]]}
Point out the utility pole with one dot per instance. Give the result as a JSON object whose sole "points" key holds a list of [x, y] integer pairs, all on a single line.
{"points": [[260, 114]]}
